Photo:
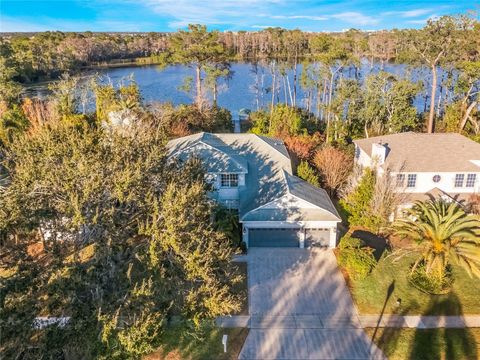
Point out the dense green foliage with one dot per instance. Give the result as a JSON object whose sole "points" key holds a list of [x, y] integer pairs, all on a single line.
{"points": [[307, 173], [435, 285], [355, 258], [357, 203], [282, 121], [97, 225], [444, 233]]}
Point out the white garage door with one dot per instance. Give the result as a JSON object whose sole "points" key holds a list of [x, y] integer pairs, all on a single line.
{"points": [[317, 237]]}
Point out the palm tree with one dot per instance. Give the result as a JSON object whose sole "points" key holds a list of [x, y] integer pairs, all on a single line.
{"points": [[445, 233]]}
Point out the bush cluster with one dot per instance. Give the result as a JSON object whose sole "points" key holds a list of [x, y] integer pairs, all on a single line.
{"points": [[356, 258], [434, 285]]}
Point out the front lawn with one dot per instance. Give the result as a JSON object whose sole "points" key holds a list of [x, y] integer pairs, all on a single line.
{"points": [[428, 344], [370, 294], [177, 344]]}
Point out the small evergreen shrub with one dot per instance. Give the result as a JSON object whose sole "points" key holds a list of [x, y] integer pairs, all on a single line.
{"points": [[357, 260], [350, 242], [430, 284], [307, 173], [357, 204]]}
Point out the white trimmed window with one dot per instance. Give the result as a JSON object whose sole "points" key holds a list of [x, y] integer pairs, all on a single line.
{"points": [[229, 180], [411, 180], [400, 180], [459, 178], [471, 178]]}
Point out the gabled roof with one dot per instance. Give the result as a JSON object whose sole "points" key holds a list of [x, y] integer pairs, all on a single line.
{"points": [[310, 193], [269, 173], [421, 152], [214, 160]]}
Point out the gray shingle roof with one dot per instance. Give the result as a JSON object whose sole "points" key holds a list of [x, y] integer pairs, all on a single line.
{"points": [[310, 193], [421, 152], [269, 172]]}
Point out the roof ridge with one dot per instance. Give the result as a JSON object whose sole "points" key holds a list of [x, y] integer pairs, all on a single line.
{"points": [[261, 137]]}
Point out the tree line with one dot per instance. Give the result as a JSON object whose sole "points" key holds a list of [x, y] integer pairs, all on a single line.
{"points": [[448, 46]]}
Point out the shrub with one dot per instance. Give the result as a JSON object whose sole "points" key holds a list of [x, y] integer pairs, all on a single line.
{"points": [[307, 173], [226, 221], [334, 166], [282, 121], [350, 242], [474, 204], [303, 146], [358, 203], [359, 261], [429, 284]]}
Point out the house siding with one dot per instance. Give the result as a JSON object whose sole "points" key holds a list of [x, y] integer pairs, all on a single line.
{"points": [[425, 183]]}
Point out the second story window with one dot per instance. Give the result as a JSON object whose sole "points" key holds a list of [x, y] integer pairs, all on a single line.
{"points": [[459, 180], [411, 180], [400, 180], [229, 180], [471, 178]]}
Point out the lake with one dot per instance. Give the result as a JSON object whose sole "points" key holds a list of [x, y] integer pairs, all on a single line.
{"points": [[238, 92]]}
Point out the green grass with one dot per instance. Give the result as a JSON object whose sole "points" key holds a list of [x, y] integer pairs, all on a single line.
{"points": [[179, 344], [370, 294], [428, 344]]}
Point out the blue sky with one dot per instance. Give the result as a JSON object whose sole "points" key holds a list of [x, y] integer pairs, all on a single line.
{"points": [[169, 15]]}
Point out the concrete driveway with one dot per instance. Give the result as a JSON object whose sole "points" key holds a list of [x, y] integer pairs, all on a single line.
{"points": [[296, 282], [301, 308]]}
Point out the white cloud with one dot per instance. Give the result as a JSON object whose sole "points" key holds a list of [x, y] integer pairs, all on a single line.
{"points": [[355, 18], [408, 13], [306, 17], [260, 26], [210, 12], [423, 21]]}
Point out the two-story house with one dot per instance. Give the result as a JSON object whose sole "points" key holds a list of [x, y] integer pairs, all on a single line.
{"points": [[445, 165], [253, 174]]}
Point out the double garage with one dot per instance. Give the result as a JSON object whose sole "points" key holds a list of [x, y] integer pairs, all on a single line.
{"points": [[288, 237]]}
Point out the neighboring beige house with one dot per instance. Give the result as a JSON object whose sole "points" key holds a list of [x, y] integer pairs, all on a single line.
{"points": [[445, 165], [253, 174]]}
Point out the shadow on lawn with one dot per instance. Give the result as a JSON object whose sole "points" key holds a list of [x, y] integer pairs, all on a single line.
{"points": [[434, 343], [444, 343], [378, 243]]}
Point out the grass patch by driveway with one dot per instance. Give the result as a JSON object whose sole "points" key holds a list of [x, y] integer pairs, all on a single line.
{"points": [[428, 344], [178, 345], [370, 294], [242, 288]]}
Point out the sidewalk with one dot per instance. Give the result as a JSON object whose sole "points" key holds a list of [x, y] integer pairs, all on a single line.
{"points": [[362, 321]]}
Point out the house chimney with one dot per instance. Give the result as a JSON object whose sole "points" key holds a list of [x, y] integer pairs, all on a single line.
{"points": [[379, 153]]}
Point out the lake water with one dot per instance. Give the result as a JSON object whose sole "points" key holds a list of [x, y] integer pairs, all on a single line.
{"points": [[238, 92]]}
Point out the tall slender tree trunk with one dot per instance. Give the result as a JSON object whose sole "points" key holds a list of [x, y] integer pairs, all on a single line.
{"points": [[198, 83], [292, 99], [467, 115], [215, 90], [330, 94], [431, 115], [274, 80], [294, 103], [319, 92], [324, 97], [285, 88]]}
